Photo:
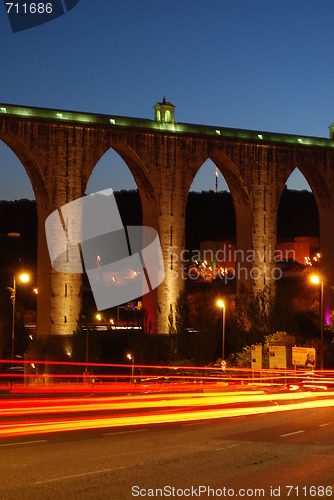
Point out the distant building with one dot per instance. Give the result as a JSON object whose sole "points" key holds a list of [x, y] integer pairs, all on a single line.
{"points": [[218, 257], [304, 249]]}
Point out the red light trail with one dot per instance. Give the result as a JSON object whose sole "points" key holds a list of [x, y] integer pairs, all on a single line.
{"points": [[160, 395], [22, 417]]}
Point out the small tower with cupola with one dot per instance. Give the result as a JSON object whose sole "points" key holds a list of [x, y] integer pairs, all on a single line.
{"points": [[331, 131], [164, 112]]}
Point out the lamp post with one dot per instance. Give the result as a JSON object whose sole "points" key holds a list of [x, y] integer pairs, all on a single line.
{"points": [[24, 278], [132, 359], [220, 303], [87, 346], [319, 281], [118, 308], [87, 343]]}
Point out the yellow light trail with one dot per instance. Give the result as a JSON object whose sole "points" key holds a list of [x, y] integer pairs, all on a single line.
{"points": [[69, 405], [18, 428]]}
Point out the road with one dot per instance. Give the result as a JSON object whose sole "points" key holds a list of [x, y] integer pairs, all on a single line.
{"points": [[251, 456]]}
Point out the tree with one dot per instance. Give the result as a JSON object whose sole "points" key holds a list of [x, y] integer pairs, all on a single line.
{"points": [[254, 318]]}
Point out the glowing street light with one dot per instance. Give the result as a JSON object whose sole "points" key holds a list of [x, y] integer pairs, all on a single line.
{"points": [[132, 359], [317, 280], [100, 317], [24, 278], [220, 303]]}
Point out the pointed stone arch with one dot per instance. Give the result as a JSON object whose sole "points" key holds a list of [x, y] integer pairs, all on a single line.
{"points": [[37, 180], [320, 187], [30, 165], [318, 184], [297, 222], [149, 208], [242, 207]]}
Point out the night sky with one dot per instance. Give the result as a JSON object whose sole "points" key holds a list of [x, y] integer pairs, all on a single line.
{"points": [[250, 64]]}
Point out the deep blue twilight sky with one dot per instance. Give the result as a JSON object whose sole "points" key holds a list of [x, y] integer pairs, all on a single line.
{"points": [[255, 64]]}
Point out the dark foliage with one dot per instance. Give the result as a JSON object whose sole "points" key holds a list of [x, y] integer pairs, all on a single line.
{"points": [[209, 216], [297, 215]]}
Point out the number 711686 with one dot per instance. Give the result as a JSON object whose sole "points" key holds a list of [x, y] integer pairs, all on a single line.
{"points": [[309, 491], [29, 8]]}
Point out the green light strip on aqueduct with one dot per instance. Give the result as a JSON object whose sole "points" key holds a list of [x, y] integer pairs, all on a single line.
{"points": [[183, 128]]}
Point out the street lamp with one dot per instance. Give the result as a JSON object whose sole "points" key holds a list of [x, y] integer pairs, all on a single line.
{"points": [[316, 280], [132, 359], [100, 317], [221, 304], [24, 278]]}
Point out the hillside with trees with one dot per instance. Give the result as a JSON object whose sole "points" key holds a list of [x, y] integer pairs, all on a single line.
{"points": [[209, 216]]}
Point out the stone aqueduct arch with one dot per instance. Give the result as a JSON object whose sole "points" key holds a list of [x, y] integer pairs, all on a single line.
{"points": [[60, 149]]}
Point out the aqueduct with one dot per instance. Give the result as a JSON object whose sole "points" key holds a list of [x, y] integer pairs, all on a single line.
{"points": [[59, 150]]}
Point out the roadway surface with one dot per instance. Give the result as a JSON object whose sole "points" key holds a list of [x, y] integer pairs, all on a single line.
{"points": [[256, 456]]}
